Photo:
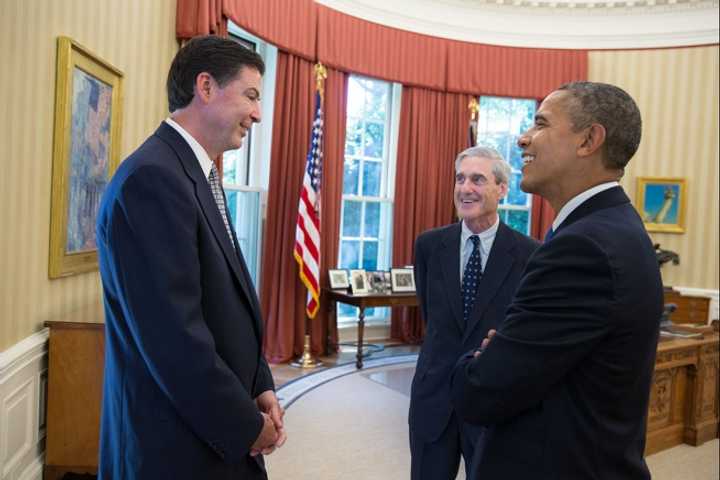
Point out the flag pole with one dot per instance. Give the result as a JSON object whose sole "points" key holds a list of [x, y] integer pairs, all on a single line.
{"points": [[308, 230], [474, 108]]}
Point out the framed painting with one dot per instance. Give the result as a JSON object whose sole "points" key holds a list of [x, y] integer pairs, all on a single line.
{"points": [[661, 203], [86, 151]]}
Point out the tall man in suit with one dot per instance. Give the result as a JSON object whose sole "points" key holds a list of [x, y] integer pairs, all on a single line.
{"points": [[187, 392], [466, 274], [565, 381]]}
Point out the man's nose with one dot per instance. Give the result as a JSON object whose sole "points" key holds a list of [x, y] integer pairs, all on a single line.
{"points": [[256, 114], [523, 140]]}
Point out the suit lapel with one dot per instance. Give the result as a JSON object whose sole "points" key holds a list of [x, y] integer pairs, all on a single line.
{"points": [[499, 264], [449, 257], [207, 204], [607, 198]]}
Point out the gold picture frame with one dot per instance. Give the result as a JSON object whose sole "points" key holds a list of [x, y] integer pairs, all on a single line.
{"points": [[661, 203], [86, 152]]}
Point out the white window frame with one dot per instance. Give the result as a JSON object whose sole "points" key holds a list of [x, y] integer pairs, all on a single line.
{"points": [[386, 199]]}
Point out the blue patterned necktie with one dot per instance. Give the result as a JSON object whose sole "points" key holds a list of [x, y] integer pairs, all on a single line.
{"points": [[220, 200], [471, 278]]}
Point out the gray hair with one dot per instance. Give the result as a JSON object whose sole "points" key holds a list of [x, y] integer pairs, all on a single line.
{"points": [[614, 109], [500, 168]]}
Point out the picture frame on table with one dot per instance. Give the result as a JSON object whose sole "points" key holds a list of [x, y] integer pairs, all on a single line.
{"points": [[379, 281], [402, 280], [359, 282], [86, 152], [661, 202], [338, 279]]}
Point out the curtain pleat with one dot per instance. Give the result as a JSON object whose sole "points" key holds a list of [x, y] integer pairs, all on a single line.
{"points": [[433, 130]]}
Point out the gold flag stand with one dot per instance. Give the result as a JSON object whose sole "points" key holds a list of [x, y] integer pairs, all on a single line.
{"points": [[307, 359]]}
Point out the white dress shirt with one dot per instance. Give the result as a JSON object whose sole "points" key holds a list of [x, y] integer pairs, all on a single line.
{"points": [[202, 156], [487, 237], [578, 200]]}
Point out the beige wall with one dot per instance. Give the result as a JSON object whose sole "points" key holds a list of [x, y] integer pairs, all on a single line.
{"points": [[136, 36], [677, 92]]}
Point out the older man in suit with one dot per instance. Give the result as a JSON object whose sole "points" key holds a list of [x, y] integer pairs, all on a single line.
{"points": [[564, 383], [187, 393], [466, 274]]}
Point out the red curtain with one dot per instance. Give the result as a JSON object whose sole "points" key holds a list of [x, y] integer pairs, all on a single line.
{"points": [[356, 45], [433, 130], [347, 43], [511, 72], [282, 295]]}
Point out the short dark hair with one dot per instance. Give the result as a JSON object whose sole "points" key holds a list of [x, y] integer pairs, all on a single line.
{"points": [[220, 57], [613, 108]]}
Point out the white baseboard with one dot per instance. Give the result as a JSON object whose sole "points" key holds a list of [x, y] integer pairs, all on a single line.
{"points": [[23, 397]]}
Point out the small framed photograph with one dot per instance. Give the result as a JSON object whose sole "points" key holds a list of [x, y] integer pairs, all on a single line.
{"points": [[403, 280], [358, 281], [661, 203], [379, 281], [338, 278]]}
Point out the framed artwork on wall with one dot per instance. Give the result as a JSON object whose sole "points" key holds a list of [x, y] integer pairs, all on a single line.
{"points": [[86, 151], [661, 203]]}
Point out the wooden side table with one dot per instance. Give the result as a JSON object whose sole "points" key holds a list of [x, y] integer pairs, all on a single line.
{"points": [[363, 301]]}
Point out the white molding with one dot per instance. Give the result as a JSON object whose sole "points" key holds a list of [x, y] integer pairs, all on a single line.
{"points": [[573, 24], [23, 385]]}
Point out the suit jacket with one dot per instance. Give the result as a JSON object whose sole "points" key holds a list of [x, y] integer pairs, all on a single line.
{"points": [[183, 339], [437, 275], [565, 382]]}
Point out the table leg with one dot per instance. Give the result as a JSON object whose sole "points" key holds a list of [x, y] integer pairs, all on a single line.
{"points": [[361, 327], [332, 345]]}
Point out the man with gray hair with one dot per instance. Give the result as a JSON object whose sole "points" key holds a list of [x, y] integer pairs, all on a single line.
{"points": [[563, 385], [466, 273]]}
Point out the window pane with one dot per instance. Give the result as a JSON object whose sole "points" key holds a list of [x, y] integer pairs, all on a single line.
{"points": [[349, 254], [244, 210], [370, 255], [351, 176], [372, 219], [376, 100], [351, 218], [353, 136], [519, 220], [356, 97], [515, 195], [345, 310], [372, 175], [374, 140]]}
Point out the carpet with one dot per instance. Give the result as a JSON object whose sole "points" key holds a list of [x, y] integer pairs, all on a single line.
{"points": [[350, 424]]}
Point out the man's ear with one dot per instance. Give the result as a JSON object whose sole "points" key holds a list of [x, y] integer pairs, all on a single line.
{"points": [[504, 188], [203, 86], [594, 138]]}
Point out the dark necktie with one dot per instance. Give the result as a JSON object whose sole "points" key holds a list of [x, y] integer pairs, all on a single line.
{"points": [[471, 278], [549, 235], [220, 200]]}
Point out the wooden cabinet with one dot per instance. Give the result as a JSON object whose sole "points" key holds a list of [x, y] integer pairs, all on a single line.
{"points": [[684, 395], [689, 309], [76, 354]]}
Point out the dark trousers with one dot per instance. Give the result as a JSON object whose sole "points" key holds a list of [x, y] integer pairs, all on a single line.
{"points": [[440, 460]]}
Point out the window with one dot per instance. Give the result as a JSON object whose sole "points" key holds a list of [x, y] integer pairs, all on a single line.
{"points": [[500, 123], [366, 216], [246, 170]]}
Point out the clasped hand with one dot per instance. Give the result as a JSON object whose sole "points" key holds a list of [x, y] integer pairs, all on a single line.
{"points": [[273, 434]]}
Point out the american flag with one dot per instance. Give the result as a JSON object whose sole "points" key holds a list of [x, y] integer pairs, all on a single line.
{"points": [[307, 234]]}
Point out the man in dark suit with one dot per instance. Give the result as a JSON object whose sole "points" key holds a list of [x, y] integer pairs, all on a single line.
{"points": [[466, 274], [564, 383], [187, 392]]}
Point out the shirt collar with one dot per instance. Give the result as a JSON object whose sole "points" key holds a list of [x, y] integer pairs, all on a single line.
{"points": [[485, 235], [578, 200], [200, 153]]}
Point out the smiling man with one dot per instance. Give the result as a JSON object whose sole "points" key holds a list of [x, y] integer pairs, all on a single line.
{"points": [[563, 385], [187, 392], [466, 274]]}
